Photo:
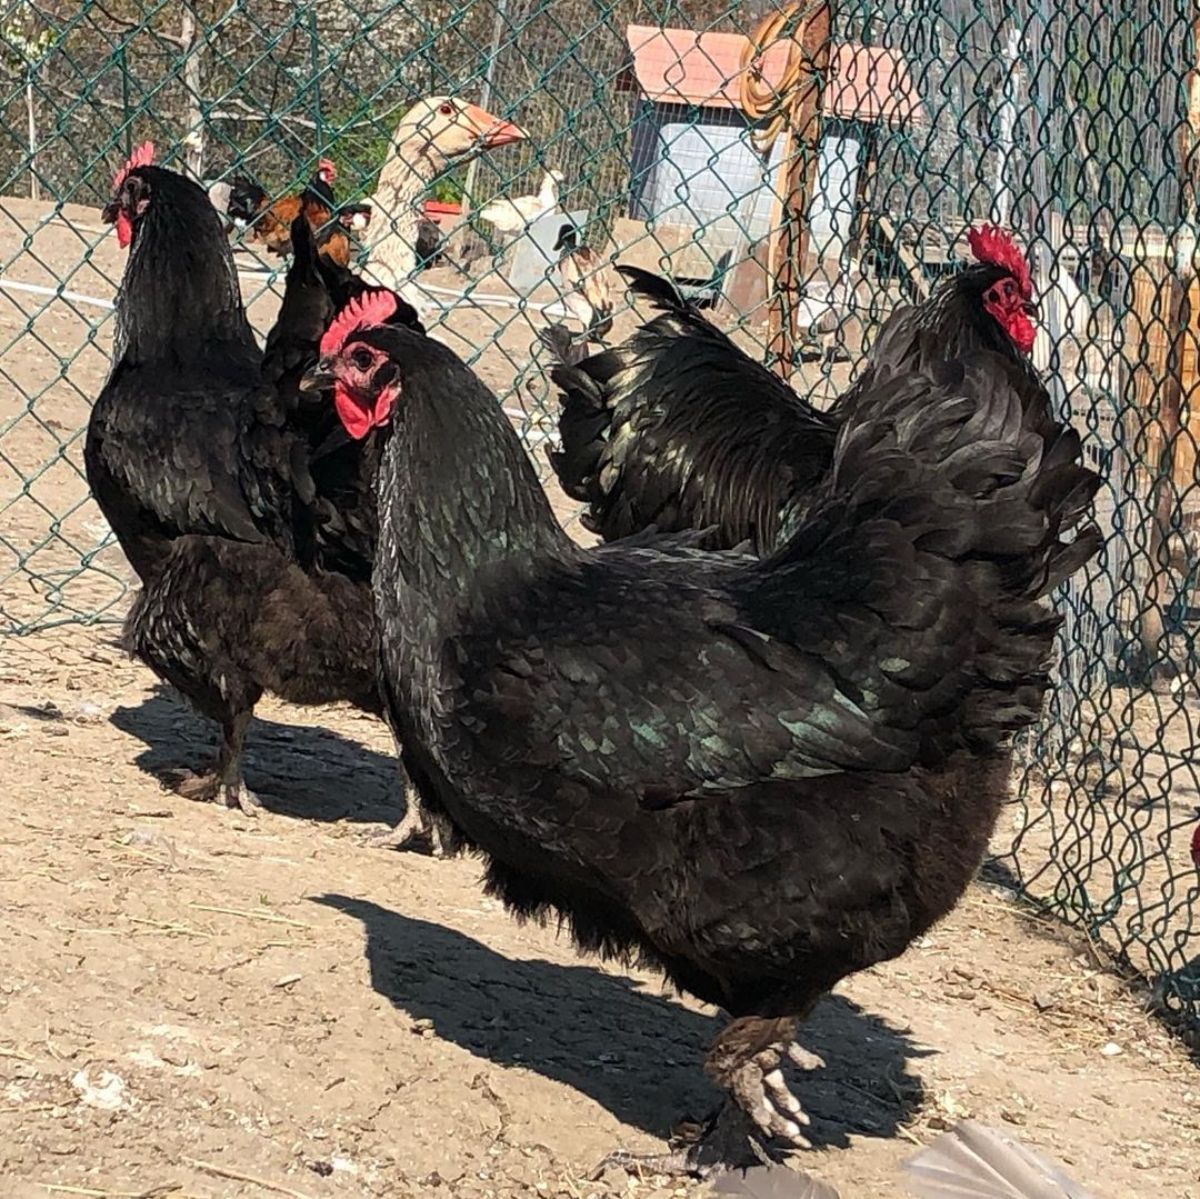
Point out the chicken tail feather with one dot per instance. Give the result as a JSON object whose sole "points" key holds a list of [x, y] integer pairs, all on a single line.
{"points": [[663, 294]]}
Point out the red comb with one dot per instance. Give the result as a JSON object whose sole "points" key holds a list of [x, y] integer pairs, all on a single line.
{"points": [[996, 247], [325, 167], [368, 311], [143, 156]]}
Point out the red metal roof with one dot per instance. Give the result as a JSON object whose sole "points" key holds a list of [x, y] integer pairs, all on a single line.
{"points": [[681, 66]]}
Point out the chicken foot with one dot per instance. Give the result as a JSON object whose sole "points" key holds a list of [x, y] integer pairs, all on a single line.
{"points": [[416, 831], [745, 1061], [224, 781]]}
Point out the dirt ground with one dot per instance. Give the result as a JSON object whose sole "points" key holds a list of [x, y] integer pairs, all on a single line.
{"points": [[227, 1006], [195, 1003]]}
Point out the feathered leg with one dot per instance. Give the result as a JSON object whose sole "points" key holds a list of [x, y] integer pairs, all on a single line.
{"points": [[187, 628], [745, 1062], [224, 780], [417, 830]]}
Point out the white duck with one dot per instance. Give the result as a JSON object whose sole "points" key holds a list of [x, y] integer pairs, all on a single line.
{"points": [[434, 134], [509, 217]]}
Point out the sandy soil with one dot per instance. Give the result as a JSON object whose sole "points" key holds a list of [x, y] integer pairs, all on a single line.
{"points": [[188, 990], [196, 1003]]}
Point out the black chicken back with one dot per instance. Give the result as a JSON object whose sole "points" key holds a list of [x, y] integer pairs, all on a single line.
{"points": [[679, 429]]}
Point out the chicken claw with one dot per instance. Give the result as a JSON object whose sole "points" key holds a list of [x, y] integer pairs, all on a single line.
{"points": [[745, 1060], [728, 1141], [211, 787], [805, 1058], [760, 1091], [415, 832], [238, 795]]}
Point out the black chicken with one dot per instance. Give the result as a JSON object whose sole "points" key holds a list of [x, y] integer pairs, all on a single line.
{"points": [[758, 775], [680, 429], [343, 468], [212, 480]]}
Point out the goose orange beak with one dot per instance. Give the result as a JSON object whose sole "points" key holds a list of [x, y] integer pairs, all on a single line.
{"points": [[491, 131]]}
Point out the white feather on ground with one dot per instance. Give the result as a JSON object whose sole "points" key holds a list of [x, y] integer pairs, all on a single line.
{"points": [[975, 1162], [969, 1162], [775, 1182]]}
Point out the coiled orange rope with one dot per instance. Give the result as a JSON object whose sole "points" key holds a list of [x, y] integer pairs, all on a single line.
{"points": [[761, 99], [789, 106]]}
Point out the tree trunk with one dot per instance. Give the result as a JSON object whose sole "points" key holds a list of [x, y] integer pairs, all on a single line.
{"points": [[193, 48], [31, 113]]}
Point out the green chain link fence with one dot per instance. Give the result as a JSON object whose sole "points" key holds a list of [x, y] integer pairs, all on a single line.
{"points": [[1064, 119]]}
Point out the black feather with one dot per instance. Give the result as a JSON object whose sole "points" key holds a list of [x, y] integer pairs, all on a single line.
{"points": [[660, 291], [679, 429]]}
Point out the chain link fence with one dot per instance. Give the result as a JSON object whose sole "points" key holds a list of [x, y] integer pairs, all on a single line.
{"points": [[1073, 123]]}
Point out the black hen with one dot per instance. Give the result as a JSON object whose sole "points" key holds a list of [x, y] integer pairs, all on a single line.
{"points": [[342, 468], [205, 478], [678, 428], [986, 306], [759, 775]]}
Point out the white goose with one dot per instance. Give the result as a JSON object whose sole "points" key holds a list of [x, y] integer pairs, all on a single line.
{"points": [[435, 133]]}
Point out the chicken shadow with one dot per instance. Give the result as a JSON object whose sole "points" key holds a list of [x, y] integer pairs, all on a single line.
{"points": [[306, 773], [638, 1055]]}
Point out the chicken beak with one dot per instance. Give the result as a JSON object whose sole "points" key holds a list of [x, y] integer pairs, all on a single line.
{"points": [[319, 378], [1032, 308], [491, 131]]}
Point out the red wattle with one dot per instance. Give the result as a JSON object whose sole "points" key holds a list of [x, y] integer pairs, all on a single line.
{"points": [[356, 419], [1022, 331]]}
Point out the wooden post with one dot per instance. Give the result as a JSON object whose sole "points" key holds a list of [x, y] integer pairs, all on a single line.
{"points": [[1173, 403], [804, 132], [193, 47], [1189, 132], [775, 239], [1177, 389]]}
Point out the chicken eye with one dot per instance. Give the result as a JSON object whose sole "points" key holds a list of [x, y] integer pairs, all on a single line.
{"points": [[446, 109], [362, 360]]}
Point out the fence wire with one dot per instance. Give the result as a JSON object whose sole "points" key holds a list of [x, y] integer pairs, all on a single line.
{"points": [[1072, 124]]}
